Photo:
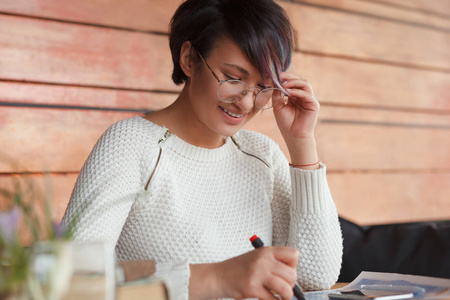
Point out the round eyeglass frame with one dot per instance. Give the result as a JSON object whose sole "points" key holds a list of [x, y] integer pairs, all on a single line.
{"points": [[249, 88]]}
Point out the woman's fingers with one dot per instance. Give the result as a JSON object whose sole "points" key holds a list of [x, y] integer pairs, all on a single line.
{"points": [[303, 99], [279, 287], [282, 271], [265, 293], [286, 255], [260, 273], [293, 81], [287, 273], [300, 91]]}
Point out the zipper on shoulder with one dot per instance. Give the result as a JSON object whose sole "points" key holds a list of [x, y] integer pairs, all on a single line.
{"points": [[249, 154], [166, 135]]}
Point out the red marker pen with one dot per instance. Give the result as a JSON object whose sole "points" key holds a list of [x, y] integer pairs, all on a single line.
{"points": [[257, 243]]}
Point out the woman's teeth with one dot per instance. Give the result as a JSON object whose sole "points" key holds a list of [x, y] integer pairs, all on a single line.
{"points": [[230, 113]]}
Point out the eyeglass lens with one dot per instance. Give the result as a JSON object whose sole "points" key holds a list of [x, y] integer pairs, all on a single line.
{"points": [[231, 91]]}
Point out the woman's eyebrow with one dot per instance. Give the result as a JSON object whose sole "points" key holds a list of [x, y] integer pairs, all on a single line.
{"points": [[242, 70], [246, 73]]}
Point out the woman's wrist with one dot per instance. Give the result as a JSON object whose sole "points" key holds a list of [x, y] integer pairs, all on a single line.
{"points": [[136, 269], [303, 166], [303, 153], [204, 282]]}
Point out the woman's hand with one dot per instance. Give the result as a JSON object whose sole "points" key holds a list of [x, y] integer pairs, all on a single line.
{"points": [[261, 273], [297, 119]]}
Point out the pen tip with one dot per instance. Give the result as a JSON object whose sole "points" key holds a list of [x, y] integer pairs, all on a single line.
{"points": [[254, 237]]}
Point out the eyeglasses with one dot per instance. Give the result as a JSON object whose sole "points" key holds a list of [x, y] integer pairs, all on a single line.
{"points": [[233, 90]]}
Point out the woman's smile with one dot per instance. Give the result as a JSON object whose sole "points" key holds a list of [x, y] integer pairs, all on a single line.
{"points": [[234, 115]]}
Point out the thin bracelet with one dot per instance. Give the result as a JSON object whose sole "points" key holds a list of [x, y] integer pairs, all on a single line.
{"points": [[299, 166]]}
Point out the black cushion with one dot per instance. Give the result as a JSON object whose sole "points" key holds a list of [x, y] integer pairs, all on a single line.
{"points": [[420, 248]]}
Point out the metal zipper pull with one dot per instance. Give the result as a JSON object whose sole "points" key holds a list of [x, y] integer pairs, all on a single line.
{"points": [[164, 137], [161, 140]]}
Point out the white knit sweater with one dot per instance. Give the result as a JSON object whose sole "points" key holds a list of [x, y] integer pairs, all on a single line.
{"points": [[203, 205]]}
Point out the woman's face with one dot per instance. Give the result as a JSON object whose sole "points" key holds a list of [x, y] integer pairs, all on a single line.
{"points": [[227, 61]]}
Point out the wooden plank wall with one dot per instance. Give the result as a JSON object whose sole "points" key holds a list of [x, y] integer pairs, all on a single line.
{"points": [[380, 68]]}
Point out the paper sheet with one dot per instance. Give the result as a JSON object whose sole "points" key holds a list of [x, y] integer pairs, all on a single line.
{"points": [[435, 288]]}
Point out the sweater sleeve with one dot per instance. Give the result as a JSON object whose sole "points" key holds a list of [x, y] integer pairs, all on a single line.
{"points": [[106, 187], [176, 277], [305, 217]]}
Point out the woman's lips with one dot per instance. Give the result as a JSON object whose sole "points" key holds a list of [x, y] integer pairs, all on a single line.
{"points": [[232, 117]]}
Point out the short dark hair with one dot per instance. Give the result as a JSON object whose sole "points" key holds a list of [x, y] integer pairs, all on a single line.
{"points": [[260, 27]]}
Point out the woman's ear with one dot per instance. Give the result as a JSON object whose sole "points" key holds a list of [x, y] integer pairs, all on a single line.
{"points": [[186, 60]]}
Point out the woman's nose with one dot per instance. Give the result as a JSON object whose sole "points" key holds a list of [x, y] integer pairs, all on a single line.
{"points": [[247, 101]]}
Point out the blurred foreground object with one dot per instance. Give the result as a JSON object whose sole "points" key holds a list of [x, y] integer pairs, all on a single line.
{"points": [[146, 288], [26, 217]]}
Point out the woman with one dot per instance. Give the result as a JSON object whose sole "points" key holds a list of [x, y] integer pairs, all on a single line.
{"points": [[184, 187]]}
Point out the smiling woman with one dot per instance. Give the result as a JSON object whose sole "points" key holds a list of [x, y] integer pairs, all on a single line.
{"points": [[185, 187]]}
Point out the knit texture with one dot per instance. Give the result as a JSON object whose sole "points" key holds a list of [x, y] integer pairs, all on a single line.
{"points": [[203, 205]]}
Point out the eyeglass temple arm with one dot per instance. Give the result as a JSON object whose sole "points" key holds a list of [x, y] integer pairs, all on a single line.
{"points": [[212, 72]]}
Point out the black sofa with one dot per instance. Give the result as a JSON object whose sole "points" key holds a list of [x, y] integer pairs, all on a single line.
{"points": [[420, 248]]}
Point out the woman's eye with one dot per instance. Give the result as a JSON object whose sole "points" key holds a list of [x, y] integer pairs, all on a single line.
{"points": [[228, 77]]}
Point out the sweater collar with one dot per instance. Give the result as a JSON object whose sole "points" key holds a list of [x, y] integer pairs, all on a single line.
{"points": [[190, 151]]}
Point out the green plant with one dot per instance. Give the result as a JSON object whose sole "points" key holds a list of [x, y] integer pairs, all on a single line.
{"points": [[14, 257], [26, 217]]}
